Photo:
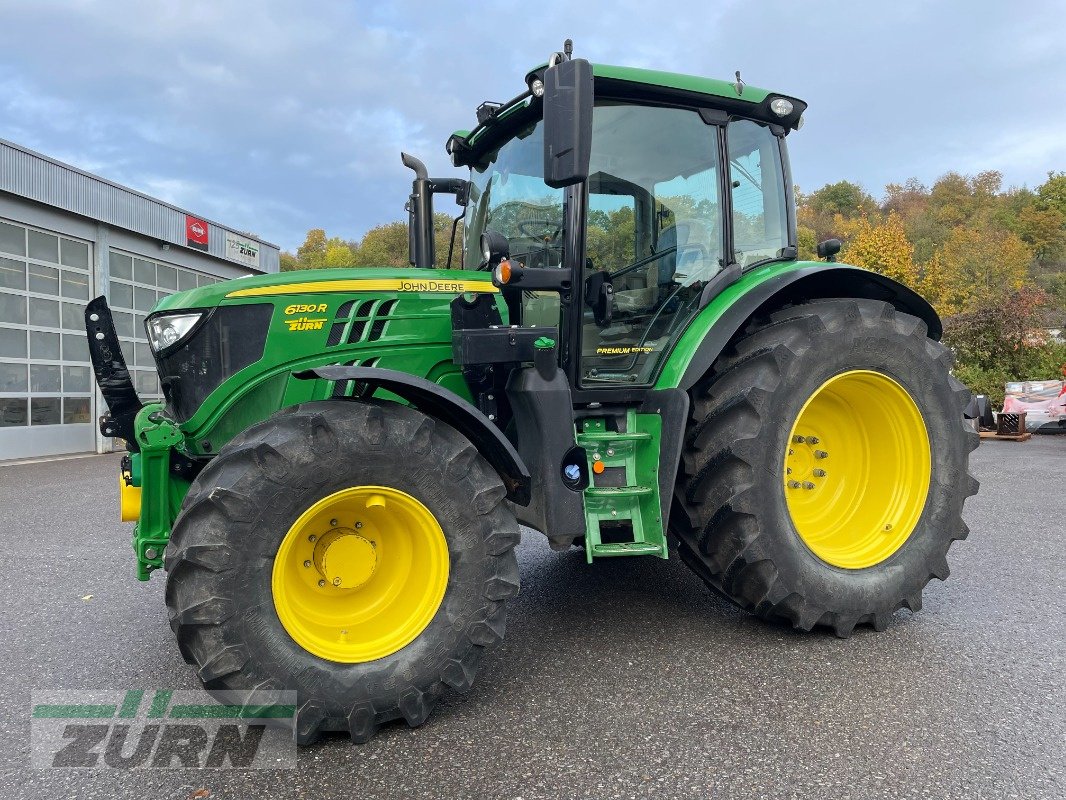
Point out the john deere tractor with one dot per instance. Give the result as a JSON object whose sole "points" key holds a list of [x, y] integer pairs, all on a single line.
{"points": [[626, 356]]}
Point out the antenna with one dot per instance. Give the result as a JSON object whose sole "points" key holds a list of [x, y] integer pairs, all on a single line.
{"points": [[739, 85]]}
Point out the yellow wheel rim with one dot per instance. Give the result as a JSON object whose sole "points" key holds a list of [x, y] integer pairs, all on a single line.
{"points": [[360, 574], [857, 469]]}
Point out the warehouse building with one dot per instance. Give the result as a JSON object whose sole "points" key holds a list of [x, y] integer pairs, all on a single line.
{"points": [[67, 236]]}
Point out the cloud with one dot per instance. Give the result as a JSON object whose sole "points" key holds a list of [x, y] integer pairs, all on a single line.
{"points": [[279, 116]]}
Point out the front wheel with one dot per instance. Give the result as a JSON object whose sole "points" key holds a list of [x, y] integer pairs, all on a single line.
{"points": [[358, 553], [825, 466]]}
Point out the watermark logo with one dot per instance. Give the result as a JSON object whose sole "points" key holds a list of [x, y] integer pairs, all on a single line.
{"points": [[162, 729]]}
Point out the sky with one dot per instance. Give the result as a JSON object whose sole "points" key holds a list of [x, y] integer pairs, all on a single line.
{"points": [[275, 117]]}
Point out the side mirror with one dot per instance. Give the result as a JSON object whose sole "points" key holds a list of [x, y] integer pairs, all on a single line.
{"points": [[568, 104], [829, 249]]}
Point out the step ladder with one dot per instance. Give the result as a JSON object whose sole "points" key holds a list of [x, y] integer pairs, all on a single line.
{"points": [[623, 515]]}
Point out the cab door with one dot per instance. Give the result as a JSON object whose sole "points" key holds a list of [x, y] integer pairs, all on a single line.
{"points": [[654, 230]]}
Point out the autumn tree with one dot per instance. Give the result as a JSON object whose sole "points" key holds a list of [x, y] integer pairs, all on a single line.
{"points": [[1002, 341], [844, 198], [288, 262], [883, 248], [312, 253], [383, 246], [979, 266], [1052, 193]]}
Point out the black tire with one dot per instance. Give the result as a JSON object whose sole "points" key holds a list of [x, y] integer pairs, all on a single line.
{"points": [[736, 532], [238, 510]]}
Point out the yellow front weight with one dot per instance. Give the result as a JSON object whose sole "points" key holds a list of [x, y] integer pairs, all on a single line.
{"points": [[129, 500], [360, 574]]}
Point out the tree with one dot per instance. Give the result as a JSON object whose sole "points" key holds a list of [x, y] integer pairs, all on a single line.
{"points": [[289, 262], [340, 253], [1052, 192], [1002, 341], [1044, 230], [883, 248], [808, 242], [980, 266], [844, 198], [383, 246], [312, 253]]}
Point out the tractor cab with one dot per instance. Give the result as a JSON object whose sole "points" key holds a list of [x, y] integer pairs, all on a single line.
{"points": [[679, 189]]}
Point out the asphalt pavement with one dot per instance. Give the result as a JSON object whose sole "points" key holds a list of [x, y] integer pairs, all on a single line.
{"points": [[627, 678]]}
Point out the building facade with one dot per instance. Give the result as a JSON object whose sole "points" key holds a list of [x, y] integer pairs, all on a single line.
{"points": [[67, 236]]}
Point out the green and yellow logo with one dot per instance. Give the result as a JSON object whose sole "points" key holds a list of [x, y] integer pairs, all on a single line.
{"points": [[305, 324]]}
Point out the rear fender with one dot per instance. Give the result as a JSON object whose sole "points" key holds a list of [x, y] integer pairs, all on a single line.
{"points": [[728, 314]]}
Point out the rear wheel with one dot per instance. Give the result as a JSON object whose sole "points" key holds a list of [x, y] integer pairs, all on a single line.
{"points": [[825, 466], [359, 554]]}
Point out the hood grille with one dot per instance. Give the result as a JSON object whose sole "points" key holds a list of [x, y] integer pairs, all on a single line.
{"points": [[353, 324]]}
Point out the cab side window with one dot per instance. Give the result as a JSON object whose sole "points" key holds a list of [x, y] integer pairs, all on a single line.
{"points": [[760, 223]]}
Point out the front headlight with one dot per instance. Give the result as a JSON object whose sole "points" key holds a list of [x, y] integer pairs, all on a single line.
{"points": [[166, 330]]}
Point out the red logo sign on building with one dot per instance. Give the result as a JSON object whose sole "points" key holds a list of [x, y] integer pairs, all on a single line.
{"points": [[195, 232]]}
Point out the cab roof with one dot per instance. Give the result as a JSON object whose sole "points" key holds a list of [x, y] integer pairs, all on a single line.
{"points": [[750, 101]]}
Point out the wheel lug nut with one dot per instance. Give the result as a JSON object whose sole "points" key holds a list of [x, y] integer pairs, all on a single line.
{"points": [[820, 454], [337, 581], [321, 583], [307, 563], [813, 440], [793, 484], [359, 524], [333, 522], [311, 538], [819, 473], [808, 485], [798, 439]]}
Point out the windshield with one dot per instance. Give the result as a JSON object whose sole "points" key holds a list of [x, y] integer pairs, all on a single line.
{"points": [[509, 196]]}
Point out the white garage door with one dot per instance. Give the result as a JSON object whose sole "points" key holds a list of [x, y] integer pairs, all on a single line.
{"points": [[46, 399]]}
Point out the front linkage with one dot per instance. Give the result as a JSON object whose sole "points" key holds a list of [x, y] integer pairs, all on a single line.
{"points": [[151, 438]]}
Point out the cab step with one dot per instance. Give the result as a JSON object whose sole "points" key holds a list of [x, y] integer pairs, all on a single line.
{"points": [[595, 438], [625, 549], [623, 515], [620, 491]]}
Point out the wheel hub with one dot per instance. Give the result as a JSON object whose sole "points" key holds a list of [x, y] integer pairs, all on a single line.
{"points": [[345, 559]]}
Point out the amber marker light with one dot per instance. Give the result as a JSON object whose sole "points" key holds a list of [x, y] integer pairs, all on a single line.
{"points": [[503, 272]]}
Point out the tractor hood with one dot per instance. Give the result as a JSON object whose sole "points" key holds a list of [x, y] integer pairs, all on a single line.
{"points": [[228, 351], [331, 281]]}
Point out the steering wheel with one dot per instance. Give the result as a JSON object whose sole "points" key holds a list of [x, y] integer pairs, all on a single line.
{"points": [[529, 228]]}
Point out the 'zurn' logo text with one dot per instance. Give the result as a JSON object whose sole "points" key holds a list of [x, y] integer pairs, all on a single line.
{"points": [[162, 729]]}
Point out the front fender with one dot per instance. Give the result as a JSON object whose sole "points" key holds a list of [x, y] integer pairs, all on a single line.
{"points": [[449, 408], [765, 289]]}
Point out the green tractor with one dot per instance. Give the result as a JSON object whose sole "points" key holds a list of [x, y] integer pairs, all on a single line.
{"points": [[628, 357]]}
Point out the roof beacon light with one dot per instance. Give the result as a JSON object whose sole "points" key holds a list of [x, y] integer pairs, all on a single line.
{"points": [[781, 106]]}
